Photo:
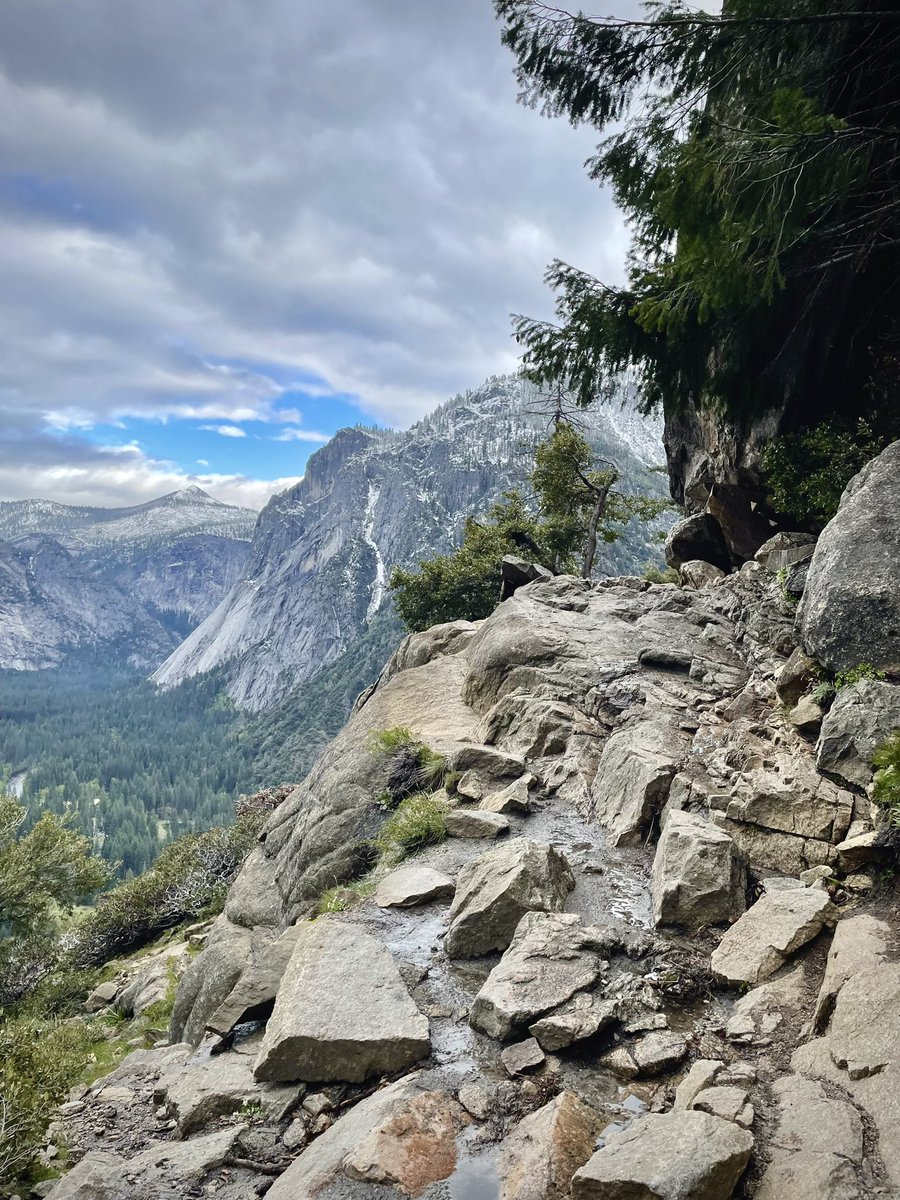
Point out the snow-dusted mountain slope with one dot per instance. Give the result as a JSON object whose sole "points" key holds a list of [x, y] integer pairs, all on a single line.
{"points": [[121, 580], [51, 605], [168, 518], [322, 550]]}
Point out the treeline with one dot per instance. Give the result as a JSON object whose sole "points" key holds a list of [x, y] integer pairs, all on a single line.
{"points": [[133, 767]]}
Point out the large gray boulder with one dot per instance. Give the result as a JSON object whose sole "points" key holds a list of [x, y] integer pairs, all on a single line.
{"points": [[860, 719], [538, 1159], [850, 611], [698, 877], [549, 960], [769, 932], [197, 1093], [633, 778], [342, 1011], [674, 1156], [495, 890], [413, 885], [697, 537]]}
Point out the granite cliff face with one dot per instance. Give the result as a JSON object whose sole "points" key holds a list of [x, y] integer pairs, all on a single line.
{"points": [[120, 582], [323, 550]]}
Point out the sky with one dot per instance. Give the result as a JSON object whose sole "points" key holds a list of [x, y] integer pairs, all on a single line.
{"points": [[230, 227]]}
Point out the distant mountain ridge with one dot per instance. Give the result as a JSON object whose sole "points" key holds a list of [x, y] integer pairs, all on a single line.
{"points": [[323, 549], [122, 582]]}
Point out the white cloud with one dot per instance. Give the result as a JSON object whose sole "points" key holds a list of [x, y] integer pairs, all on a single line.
{"points": [[208, 202], [300, 435], [202, 462], [229, 431]]}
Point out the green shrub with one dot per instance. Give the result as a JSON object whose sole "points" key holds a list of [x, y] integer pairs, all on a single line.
{"points": [[855, 675], [419, 821], [654, 573], [344, 895], [886, 789], [807, 471], [411, 765], [39, 1062]]}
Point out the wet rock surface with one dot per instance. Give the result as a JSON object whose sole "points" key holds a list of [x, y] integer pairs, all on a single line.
{"points": [[597, 971]]}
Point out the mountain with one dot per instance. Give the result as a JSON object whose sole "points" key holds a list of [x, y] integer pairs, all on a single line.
{"points": [[322, 550], [123, 582]]}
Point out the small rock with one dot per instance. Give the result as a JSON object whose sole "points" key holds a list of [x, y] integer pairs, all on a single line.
{"points": [[468, 823], [102, 996], [317, 1103], [728, 1102], [295, 1136], [701, 1075], [620, 1062], [861, 851], [581, 1017], [70, 1107], [477, 1099], [659, 1052], [859, 883], [814, 874], [512, 799], [698, 574], [522, 1057]]}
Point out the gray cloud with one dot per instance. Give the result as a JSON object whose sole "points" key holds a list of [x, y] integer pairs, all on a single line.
{"points": [[206, 200]]}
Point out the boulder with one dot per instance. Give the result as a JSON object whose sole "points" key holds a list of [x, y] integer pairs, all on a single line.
{"points": [[698, 574], [698, 877], [495, 890], [102, 996], [153, 983], [253, 898], [785, 550], [540, 1156], [633, 778], [806, 716], [512, 799], [516, 572], [198, 1093], [697, 537], [342, 1011], [413, 885], [861, 851], [581, 1017], [321, 1163], [412, 1147], [816, 1147], [859, 943], [672, 1156], [469, 823], [656, 1053], [769, 932], [860, 719], [850, 611], [758, 1014], [163, 1169], [549, 959], [795, 677]]}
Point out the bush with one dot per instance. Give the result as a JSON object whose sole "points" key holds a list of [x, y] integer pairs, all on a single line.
{"points": [[39, 1062], [886, 788], [411, 765], [826, 689], [418, 821], [654, 573], [808, 471]]}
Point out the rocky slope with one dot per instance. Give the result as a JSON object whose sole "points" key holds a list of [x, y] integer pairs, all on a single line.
{"points": [[323, 550], [118, 581], [655, 956]]}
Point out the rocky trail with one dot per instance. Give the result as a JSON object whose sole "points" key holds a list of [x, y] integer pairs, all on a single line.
{"points": [[655, 956]]}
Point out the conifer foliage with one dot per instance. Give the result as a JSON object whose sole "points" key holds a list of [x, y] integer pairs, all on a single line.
{"points": [[755, 153]]}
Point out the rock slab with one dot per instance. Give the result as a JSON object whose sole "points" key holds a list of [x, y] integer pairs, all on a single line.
{"points": [[698, 877], [413, 885], [495, 890], [543, 1152], [342, 1011], [777, 925], [673, 1156]]}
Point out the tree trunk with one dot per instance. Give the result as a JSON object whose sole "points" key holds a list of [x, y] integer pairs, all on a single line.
{"points": [[590, 543]]}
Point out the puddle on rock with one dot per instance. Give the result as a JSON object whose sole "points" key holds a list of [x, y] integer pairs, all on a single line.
{"points": [[475, 1177]]}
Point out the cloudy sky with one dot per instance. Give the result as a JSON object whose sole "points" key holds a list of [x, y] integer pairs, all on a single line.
{"points": [[229, 227]]}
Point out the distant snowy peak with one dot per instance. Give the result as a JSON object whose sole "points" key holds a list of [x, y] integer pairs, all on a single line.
{"points": [[370, 499], [188, 512]]}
